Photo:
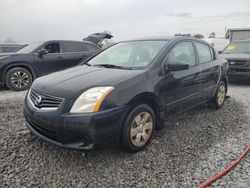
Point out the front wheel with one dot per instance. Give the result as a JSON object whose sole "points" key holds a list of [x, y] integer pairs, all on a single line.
{"points": [[18, 79], [138, 128], [220, 95]]}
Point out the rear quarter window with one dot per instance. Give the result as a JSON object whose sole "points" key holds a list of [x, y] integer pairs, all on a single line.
{"points": [[91, 47], [78, 47], [205, 53]]}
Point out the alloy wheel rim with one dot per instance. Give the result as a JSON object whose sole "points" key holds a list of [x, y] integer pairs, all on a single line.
{"points": [[141, 129], [221, 94], [19, 79]]}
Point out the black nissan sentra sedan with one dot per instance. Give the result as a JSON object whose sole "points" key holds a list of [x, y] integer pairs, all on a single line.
{"points": [[124, 93]]}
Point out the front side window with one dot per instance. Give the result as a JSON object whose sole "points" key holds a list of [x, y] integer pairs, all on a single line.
{"points": [[204, 52], [53, 48], [129, 54], [182, 53], [237, 47]]}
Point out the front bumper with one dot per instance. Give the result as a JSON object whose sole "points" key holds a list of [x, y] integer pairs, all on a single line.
{"points": [[75, 131]]}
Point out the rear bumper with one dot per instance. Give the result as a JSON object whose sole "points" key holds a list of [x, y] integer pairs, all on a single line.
{"points": [[76, 131]]}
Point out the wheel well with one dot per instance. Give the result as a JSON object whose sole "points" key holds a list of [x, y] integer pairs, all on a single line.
{"points": [[150, 100], [226, 82], [22, 66]]}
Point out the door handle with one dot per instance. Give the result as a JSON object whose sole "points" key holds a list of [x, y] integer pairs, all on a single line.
{"points": [[196, 75]]}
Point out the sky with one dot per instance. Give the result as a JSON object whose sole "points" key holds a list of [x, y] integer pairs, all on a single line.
{"points": [[28, 21]]}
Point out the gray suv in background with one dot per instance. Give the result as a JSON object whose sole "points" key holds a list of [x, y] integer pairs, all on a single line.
{"points": [[18, 70]]}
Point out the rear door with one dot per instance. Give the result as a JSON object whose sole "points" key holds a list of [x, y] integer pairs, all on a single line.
{"points": [[183, 87], [74, 52], [210, 69], [50, 62]]}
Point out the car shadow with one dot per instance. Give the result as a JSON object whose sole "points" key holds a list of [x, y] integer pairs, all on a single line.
{"points": [[239, 81], [2, 88]]}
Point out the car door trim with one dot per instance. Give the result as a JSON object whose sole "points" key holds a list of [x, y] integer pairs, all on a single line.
{"points": [[189, 96]]}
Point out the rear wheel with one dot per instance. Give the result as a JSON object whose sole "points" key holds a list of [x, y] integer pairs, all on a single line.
{"points": [[18, 79], [220, 95], [138, 128]]}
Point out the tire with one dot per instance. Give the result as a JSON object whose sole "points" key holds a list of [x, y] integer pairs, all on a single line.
{"points": [[220, 95], [18, 79], [142, 131]]}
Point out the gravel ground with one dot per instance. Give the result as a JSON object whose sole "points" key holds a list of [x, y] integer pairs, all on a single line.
{"points": [[191, 148]]}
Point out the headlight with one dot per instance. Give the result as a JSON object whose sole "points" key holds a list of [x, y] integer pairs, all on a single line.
{"points": [[2, 57], [90, 100]]}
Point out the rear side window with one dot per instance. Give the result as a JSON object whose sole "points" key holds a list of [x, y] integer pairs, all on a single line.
{"points": [[204, 52], [183, 52], [77, 47]]}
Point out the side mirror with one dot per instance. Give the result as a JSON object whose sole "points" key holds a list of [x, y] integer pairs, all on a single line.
{"points": [[177, 66], [42, 52], [219, 52]]}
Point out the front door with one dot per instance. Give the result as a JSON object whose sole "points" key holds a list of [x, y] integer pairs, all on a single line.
{"points": [[50, 62], [183, 87]]}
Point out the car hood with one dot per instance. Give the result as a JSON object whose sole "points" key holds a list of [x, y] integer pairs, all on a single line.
{"points": [[6, 54], [236, 56], [10, 54], [72, 82]]}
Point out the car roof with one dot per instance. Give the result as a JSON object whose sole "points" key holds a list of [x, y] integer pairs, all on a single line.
{"points": [[157, 38], [166, 38], [70, 41]]}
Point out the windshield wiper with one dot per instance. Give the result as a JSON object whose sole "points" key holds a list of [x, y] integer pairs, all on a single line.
{"points": [[112, 66], [86, 63]]}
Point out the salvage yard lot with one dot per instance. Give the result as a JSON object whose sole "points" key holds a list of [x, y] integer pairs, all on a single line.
{"points": [[191, 148]]}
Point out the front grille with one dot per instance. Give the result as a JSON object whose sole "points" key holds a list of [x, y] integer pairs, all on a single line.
{"points": [[47, 133], [44, 101], [237, 62]]}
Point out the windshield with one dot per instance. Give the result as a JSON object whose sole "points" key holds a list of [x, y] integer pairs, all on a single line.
{"points": [[30, 48], [136, 54], [237, 47]]}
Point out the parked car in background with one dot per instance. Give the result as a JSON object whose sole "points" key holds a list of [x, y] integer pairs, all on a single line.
{"points": [[122, 94], [6, 48], [18, 70], [97, 38], [238, 55], [219, 44], [234, 34]]}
